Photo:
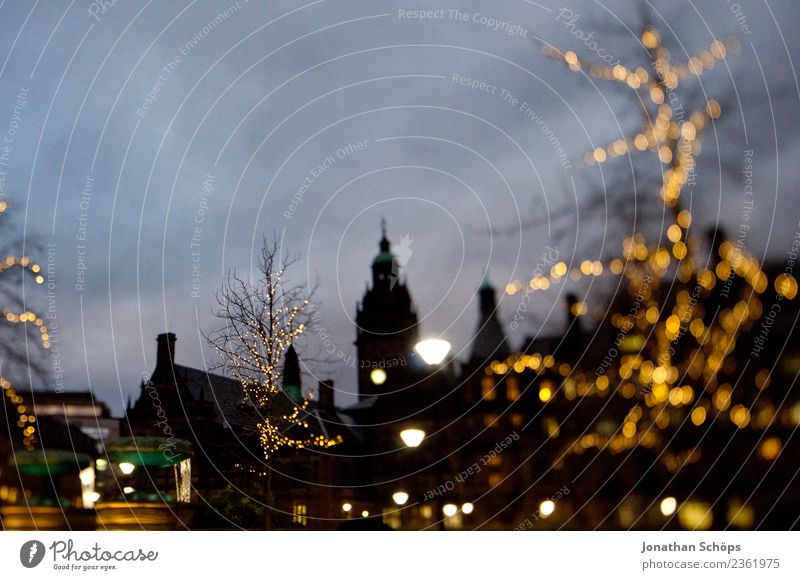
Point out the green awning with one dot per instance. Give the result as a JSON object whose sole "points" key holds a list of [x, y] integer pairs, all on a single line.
{"points": [[41, 463], [149, 451]]}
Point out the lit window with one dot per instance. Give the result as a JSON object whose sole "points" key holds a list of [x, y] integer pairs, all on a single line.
{"points": [[490, 420], [512, 388], [487, 386], [299, 512]]}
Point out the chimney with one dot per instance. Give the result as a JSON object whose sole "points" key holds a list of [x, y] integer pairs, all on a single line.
{"points": [[325, 395], [165, 355]]}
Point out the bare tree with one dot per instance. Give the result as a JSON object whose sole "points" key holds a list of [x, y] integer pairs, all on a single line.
{"points": [[19, 363], [262, 317]]}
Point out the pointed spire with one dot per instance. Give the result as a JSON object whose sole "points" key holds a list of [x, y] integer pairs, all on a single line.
{"points": [[384, 243], [291, 375], [490, 340]]}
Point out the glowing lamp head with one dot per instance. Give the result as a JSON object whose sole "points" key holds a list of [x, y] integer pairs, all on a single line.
{"points": [[433, 350], [450, 509], [346, 507], [126, 468], [400, 497], [546, 508], [412, 437], [377, 376], [467, 508]]}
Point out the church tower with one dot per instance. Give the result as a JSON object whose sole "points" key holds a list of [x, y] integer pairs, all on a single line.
{"points": [[490, 341], [386, 327]]}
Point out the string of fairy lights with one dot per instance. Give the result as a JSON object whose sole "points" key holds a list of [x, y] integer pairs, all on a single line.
{"points": [[649, 365], [26, 420], [263, 336]]}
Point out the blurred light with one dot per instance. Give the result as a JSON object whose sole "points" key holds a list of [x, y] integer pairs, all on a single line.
{"points": [[101, 464], [400, 497], [433, 350], [127, 489], [86, 476], [126, 468], [770, 448], [546, 508], [668, 506], [365, 514], [467, 508], [650, 37], [695, 515], [450, 509], [346, 507], [740, 516], [786, 286], [377, 376], [412, 437]]}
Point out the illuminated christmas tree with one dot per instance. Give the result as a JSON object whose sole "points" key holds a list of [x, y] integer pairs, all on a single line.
{"points": [[669, 371], [15, 313], [263, 318]]}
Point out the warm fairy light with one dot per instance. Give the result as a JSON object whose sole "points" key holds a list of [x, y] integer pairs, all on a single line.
{"points": [[770, 448], [786, 286], [346, 507], [467, 508], [450, 509], [740, 416], [545, 394], [650, 37]]}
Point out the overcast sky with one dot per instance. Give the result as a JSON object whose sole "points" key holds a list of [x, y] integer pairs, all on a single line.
{"points": [[154, 142]]}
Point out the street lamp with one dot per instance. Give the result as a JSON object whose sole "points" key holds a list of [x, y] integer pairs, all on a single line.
{"points": [[467, 508], [433, 350], [412, 437], [126, 468], [450, 509], [546, 508], [400, 497], [378, 376]]}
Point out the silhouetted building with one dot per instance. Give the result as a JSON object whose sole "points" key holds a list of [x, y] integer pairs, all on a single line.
{"points": [[386, 326], [79, 409]]}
